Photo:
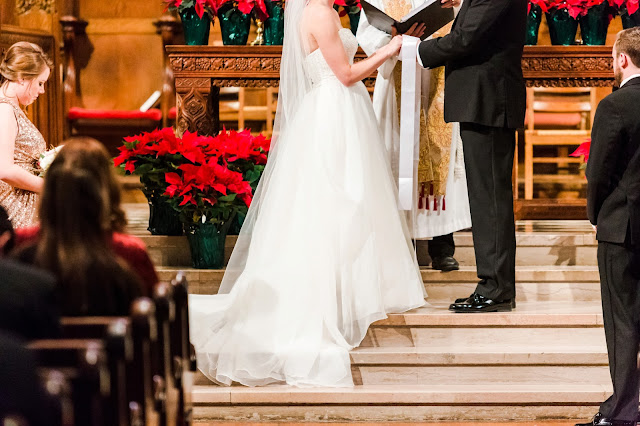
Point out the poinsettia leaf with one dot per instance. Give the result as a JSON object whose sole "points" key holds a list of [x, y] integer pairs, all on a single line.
{"points": [[228, 198]]}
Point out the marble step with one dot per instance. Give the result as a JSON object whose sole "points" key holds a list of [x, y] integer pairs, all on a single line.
{"points": [[549, 283], [394, 403], [534, 249]]}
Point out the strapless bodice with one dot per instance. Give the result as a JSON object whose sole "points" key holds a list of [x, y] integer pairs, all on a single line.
{"points": [[317, 67]]}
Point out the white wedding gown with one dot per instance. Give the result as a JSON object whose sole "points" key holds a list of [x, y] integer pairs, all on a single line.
{"points": [[328, 256]]}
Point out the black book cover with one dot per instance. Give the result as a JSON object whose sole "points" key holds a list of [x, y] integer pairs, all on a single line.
{"points": [[431, 13]]}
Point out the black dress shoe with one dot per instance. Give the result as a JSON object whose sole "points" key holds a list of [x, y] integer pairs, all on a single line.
{"points": [[478, 303], [445, 263], [513, 306], [600, 420]]}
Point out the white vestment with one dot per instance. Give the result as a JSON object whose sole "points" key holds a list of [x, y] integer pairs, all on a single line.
{"points": [[433, 222]]}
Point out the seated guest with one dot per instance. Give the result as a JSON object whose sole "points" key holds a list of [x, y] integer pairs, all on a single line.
{"points": [[77, 219], [28, 307], [129, 248]]}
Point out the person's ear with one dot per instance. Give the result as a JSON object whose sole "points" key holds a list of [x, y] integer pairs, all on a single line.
{"points": [[623, 60]]}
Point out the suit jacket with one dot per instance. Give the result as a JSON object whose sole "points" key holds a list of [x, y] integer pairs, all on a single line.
{"points": [[28, 304], [483, 63], [613, 169]]}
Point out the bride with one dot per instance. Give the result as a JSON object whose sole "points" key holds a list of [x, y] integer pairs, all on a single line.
{"points": [[324, 251]]}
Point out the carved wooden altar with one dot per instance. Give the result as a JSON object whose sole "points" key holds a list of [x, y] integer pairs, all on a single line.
{"points": [[200, 71]]}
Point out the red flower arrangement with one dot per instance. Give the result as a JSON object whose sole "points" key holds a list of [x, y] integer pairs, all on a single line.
{"points": [[629, 6], [576, 8], [207, 192], [543, 4], [201, 6], [201, 176], [247, 6]]}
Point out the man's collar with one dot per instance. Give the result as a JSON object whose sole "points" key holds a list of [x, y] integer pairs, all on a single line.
{"points": [[626, 80]]}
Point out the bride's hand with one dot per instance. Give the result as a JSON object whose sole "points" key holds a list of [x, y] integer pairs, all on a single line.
{"points": [[393, 48]]}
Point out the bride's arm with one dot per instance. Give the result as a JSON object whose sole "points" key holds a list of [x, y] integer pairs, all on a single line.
{"points": [[324, 30], [10, 172]]}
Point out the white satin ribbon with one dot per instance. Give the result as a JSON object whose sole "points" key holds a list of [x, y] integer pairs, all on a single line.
{"points": [[409, 120]]}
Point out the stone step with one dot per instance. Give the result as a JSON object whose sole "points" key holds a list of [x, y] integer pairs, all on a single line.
{"points": [[552, 283], [395, 403], [533, 249]]}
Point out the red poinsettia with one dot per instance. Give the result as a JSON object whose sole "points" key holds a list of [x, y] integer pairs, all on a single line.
{"points": [[348, 6], [543, 4], [576, 8], [247, 6], [630, 6], [207, 193], [200, 6], [583, 150]]}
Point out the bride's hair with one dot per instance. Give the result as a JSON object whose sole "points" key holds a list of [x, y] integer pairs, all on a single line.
{"points": [[23, 61]]}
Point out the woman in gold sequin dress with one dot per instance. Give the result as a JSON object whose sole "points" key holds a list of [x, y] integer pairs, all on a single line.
{"points": [[23, 72]]}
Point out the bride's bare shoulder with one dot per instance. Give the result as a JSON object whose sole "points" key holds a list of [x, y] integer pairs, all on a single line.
{"points": [[320, 14]]}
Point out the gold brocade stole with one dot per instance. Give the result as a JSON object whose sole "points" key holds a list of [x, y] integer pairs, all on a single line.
{"points": [[435, 134]]}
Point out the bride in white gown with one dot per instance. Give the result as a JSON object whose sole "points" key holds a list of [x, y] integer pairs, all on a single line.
{"points": [[324, 251]]}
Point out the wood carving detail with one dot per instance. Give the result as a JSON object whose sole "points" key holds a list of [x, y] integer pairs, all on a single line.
{"points": [[576, 65], [237, 64], [193, 113], [202, 83]]}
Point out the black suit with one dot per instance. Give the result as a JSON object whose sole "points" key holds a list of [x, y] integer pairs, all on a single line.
{"points": [[613, 204], [28, 301], [485, 92]]}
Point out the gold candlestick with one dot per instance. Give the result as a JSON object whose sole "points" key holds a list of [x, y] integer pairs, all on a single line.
{"points": [[259, 41]]}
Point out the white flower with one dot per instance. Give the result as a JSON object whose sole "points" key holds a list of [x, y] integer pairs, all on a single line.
{"points": [[47, 157]]}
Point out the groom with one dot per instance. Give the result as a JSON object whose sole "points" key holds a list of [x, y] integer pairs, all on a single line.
{"points": [[485, 92]]}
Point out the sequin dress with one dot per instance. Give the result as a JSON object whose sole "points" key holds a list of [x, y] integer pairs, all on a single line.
{"points": [[20, 203]]}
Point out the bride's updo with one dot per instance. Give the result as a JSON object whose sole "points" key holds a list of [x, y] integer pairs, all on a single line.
{"points": [[23, 61]]}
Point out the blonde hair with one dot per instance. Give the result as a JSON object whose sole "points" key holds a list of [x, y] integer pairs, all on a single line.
{"points": [[628, 42], [23, 61]]}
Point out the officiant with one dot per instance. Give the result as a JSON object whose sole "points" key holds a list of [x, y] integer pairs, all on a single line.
{"points": [[441, 191]]}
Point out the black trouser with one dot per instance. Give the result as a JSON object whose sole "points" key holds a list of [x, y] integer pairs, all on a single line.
{"points": [[441, 246], [620, 287], [488, 158]]}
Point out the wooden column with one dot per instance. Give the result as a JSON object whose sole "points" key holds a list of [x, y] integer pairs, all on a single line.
{"points": [[72, 27], [169, 27]]}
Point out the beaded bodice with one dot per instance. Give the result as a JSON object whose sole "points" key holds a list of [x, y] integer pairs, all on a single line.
{"points": [[316, 66]]}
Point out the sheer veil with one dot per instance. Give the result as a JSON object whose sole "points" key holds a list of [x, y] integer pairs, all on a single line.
{"points": [[294, 85]]}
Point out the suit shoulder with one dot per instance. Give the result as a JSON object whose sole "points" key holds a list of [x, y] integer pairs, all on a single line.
{"points": [[27, 274]]}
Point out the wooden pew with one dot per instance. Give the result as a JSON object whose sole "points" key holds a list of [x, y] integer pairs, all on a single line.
{"points": [[184, 358], [93, 369]]}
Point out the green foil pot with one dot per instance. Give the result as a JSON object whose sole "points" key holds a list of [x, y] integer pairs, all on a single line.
{"points": [[234, 25], [206, 241], [533, 25], [594, 25], [562, 27], [274, 25], [196, 29]]}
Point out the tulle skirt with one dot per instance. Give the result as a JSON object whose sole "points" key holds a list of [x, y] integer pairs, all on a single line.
{"points": [[329, 254]]}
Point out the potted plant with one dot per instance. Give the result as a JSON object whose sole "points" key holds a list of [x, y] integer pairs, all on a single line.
{"points": [[151, 155], [197, 17], [235, 19], [207, 197], [594, 17], [562, 19], [243, 153], [629, 13], [351, 8], [535, 9]]}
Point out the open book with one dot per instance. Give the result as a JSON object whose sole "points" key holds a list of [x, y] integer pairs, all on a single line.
{"points": [[430, 13]]}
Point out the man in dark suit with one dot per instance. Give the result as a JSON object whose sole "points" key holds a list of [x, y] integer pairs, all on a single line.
{"points": [[485, 92], [613, 207]]}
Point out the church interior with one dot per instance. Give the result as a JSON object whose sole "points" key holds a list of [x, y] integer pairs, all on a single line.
{"points": [[122, 68]]}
